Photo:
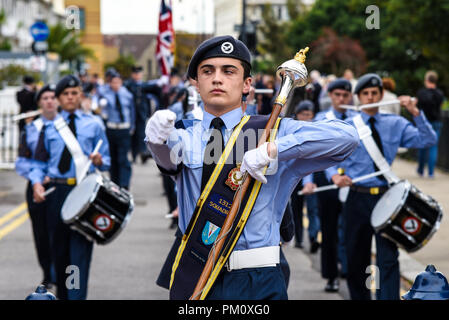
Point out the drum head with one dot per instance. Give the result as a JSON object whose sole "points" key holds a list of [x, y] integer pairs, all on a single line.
{"points": [[390, 203], [80, 197]]}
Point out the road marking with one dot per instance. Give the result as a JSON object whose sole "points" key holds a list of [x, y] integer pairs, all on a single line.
{"points": [[14, 225], [16, 211]]}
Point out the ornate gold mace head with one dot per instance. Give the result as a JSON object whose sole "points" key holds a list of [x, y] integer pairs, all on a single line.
{"points": [[293, 74]]}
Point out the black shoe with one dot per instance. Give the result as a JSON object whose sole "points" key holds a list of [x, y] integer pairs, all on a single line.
{"points": [[299, 245], [48, 285], [145, 156], [314, 246], [333, 285]]}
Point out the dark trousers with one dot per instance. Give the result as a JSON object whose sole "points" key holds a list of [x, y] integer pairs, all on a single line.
{"points": [[38, 218], [359, 233], [330, 208], [70, 251], [297, 205], [137, 139], [119, 146], [250, 284]]}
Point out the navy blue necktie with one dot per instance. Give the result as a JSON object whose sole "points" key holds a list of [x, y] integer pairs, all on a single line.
{"points": [[210, 158], [66, 158], [118, 104], [41, 153]]}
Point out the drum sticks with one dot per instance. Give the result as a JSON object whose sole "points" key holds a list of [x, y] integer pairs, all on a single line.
{"points": [[87, 166], [334, 186]]}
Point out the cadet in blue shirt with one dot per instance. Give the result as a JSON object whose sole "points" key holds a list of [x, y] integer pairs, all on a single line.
{"points": [[330, 206], [390, 132], [68, 247], [140, 91], [46, 101], [120, 124], [221, 68], [304, 112]]}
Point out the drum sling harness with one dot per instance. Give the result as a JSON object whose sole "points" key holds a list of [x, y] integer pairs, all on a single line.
{"points": [[78, 156], [365, 135], [211, 210]]}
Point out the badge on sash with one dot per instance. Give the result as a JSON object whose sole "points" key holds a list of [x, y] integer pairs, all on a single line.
{"points": [[235, 178], [210, 233]]}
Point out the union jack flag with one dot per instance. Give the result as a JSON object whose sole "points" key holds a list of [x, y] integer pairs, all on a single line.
{"points": [[165, 39]]}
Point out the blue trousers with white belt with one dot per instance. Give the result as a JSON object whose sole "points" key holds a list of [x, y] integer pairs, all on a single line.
{"points": [[70, 251], [119, 146], [359, 234], [250, 284]]}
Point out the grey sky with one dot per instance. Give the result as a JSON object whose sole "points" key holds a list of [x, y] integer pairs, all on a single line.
{"points": [[141, 16]]}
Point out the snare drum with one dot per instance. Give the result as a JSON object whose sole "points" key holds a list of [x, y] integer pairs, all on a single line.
{"points": [[406, 216], [98, 209]]}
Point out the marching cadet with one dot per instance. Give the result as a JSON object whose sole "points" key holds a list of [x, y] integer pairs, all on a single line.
{"points": [[139, 90], [25, 98], [120, 125], [389, 132], [45, 99], [330, 206], [304, 112], [59, 161], [221, 67]]}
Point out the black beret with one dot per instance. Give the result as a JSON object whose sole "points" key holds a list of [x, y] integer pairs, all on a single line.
{"points": [[115, 75], [136, 69], [47, 87], [340, 83], [110, 71], [28, 79], [304, 105], [368, 80], [222, 46], [69, 81]]}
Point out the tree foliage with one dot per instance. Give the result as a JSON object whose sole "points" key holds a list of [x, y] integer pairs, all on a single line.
{"points": [[67, 43], [413, 37], [123, 64]]}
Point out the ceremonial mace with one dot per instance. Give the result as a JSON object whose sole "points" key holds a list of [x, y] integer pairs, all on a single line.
{"points": [[293, 74]]}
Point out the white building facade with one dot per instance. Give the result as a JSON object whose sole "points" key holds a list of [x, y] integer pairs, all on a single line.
{"points": [[21, 14]]}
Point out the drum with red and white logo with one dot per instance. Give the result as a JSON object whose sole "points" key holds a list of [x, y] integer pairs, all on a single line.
{"points": [[406, 216], [98, 209]]}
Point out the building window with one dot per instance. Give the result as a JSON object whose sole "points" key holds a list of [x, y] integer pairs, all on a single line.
{"points": [[82, 13]]}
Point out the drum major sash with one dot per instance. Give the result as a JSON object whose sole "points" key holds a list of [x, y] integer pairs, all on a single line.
{"points": [[211, 210]]}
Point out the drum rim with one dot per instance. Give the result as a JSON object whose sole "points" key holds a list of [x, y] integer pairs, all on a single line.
{"points": [[124, 223], [86, 205], [396, 210], [432, 232], [434, 229]]}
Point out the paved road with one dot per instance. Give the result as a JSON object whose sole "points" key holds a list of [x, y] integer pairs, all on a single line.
{"points": [[128, 267]]}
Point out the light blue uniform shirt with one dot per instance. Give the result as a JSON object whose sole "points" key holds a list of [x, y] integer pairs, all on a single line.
{"points": [[126, 100], [303, 147], [395, 131], [23, 165], [322, 116], [88, 132], [177, 109]]}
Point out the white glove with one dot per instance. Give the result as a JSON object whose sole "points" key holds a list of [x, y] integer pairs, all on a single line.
{"points": [[162, 81], [159, 126], [255, 160]]}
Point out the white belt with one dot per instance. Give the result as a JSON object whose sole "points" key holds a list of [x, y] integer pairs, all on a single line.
{"points": [[113, 125], [254, 258]]}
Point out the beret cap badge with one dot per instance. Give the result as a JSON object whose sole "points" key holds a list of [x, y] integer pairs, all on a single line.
{"points": [[227, 47]]}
